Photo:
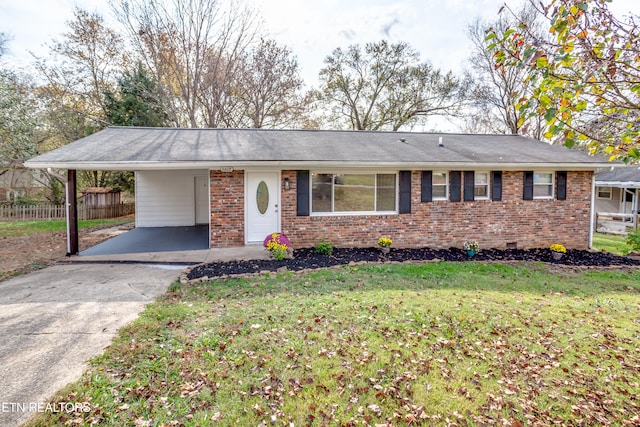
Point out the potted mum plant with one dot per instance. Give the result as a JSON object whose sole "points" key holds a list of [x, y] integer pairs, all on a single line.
{"points": [[472, 247], [278, 244], [557, 251], [385, 244]]}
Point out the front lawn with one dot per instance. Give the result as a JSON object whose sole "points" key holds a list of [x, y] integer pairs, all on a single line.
{"points": [[383, 344], [611, 243], [26, 228]]}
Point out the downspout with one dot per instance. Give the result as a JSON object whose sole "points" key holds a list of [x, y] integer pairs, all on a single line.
{"points": [[593, 210], [636, 211]]}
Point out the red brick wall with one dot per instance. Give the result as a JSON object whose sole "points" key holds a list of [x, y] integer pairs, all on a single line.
{"points": [[444, 224], [227, 208]]}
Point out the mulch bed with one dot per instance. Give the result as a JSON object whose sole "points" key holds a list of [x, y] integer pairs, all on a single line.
{"points": [[305, 259]]}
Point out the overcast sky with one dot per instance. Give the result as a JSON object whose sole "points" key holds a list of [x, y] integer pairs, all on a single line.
{"points": [[310, 28]]}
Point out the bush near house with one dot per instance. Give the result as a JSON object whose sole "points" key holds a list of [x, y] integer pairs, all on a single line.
{"points": [[633, 240]]}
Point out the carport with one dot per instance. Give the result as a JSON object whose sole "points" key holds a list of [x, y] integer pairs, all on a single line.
{"points": [[172, 191]]}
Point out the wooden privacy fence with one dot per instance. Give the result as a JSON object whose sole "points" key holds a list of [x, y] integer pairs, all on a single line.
{"points": [[48, 211]]}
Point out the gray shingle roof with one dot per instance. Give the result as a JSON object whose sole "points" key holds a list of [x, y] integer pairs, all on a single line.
{"points": [[132, 148], [630, 174]]}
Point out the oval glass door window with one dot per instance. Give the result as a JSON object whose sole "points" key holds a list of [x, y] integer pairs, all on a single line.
{"points": [[262, 197]]}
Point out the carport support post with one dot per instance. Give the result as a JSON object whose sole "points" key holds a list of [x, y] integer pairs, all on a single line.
{"points": [[72, 214]]}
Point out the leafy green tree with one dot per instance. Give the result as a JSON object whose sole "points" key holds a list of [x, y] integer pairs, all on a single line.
{"points": [[21, 130], [385, 86], [136, 103], [585, 77], [18, 121], [16, 118]]}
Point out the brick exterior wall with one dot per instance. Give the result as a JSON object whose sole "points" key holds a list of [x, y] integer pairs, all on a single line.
{"points": [[227, 208], [444, 224], [438, 224]]}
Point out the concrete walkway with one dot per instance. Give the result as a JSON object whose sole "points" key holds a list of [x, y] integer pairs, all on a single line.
{"points": [[54, 320], [178, 257]]}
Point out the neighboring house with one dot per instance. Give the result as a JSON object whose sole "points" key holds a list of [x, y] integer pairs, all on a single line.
{"points": [[348, 187], [16, 182], [617, 199]]}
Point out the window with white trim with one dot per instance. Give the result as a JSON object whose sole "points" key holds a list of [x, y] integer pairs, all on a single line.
{"points": [[353, 192], [481, 185], [439, 186], [604, 193], [543, 185]]}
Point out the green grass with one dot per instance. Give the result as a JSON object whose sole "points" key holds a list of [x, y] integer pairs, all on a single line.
{"points": [[25, 228], [611, 243], [401, 344]]}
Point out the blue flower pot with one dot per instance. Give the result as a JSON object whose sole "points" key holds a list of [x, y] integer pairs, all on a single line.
{"points": [[471, 252]]}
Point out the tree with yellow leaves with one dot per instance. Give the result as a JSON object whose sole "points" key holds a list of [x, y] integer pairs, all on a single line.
{"points": [[585, 75]]}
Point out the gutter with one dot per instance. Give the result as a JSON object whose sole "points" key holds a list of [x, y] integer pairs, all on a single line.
{"points": [[304, 164], [618, 184]]}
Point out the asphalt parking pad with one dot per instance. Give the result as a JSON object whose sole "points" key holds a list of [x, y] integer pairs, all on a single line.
{"points": [[154, 239]]}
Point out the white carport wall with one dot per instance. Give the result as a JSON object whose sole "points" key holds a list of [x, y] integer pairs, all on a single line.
{"points": [[169, 198]]}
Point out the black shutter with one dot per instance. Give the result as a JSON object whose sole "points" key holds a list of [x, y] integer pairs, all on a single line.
{"points": [[469, 185], [561, 181], [455, 178], [528, 186], [405, 192], [426, 188], [455, 182], [302, 193], [496, 185]]}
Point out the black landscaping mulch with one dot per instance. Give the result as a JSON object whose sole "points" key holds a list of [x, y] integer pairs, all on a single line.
{"points": [[307, 259]]}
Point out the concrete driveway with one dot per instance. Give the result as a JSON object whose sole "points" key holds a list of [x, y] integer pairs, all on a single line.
{"points": [[54, 320]]}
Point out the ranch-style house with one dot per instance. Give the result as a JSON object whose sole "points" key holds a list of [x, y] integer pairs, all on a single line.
{"points": [[348, 187]]}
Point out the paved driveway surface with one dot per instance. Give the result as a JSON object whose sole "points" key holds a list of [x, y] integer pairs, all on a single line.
{"points": [[53, 320]]}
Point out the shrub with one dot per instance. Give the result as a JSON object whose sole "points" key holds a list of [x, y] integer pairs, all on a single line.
{"points": [[633, 240], [324, 248]]}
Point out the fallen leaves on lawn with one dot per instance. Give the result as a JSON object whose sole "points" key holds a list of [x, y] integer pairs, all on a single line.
{"points": [[350, 361]]}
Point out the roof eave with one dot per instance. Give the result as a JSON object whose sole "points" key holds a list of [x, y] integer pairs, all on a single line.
{"points": [[618, 184], [310, 164]]}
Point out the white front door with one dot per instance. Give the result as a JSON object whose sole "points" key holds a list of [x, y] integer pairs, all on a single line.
{"points": [[262, 205]]}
